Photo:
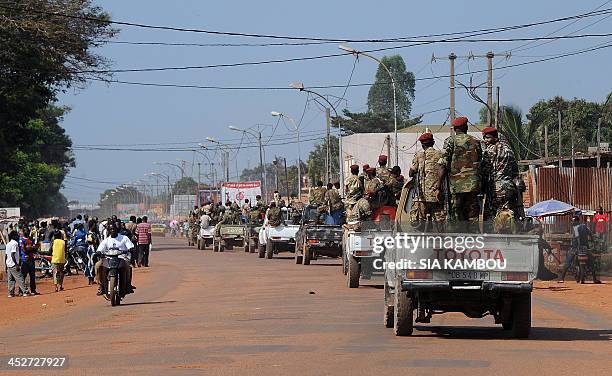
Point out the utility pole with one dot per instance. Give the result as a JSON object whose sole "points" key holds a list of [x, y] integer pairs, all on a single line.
{"points": [[497, 124], [227, 173], [598, 142], [571, 187], [286, 178], [328, 150], [275, 163], [546, 141], [452, 58], [388, 142], [198, 191], [490, 56], [560, 162]]}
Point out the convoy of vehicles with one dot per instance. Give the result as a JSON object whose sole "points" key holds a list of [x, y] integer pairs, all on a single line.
{"points": [[419, 282]]}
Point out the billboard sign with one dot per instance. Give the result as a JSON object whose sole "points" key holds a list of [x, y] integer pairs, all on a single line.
{"points": [[239, 191]]}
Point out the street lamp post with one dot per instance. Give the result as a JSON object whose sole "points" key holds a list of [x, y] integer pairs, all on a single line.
{"points": [[357, 53], [299, 167], [261, 159], [225, 158], [300, 87]]}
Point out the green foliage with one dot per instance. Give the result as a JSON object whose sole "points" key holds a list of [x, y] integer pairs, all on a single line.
{"points": [[367, 122], [582, 114], [185, 186], [39, 56], [520, 136], [380, 96]]}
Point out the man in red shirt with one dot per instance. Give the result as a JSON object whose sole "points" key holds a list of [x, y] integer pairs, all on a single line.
{"points": [[143, 232], [601, 220]]}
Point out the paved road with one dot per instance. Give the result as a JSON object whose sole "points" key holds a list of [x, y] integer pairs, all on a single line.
{"points": [[234, 314]]}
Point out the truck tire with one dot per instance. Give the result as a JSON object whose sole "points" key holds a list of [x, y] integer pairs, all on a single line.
{"points": [[252, 245], [403, 313], [388, 317], [353, 272], [269, 249], [307, 255], [261, 251], [112, 291], [344, 262], [521, 315], [298, 257], [200, 244]]}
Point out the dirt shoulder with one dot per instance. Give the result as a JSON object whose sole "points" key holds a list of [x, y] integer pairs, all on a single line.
{"points": [[50, 304], [589, 296]]}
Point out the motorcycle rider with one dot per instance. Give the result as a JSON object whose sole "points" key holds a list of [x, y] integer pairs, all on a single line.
{"points": [[122, 243]]}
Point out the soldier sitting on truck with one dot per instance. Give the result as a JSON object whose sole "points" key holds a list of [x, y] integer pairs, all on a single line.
{"points": [[274, 215], [334, 204], [394, 186]]}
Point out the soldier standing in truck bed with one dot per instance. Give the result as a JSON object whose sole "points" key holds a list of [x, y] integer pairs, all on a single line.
{"points": [[499, 172], [317, 198], [274, 215], [425, 203], [460, 162], [382, 172]]}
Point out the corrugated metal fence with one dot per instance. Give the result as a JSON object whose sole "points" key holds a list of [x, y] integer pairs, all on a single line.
{"points": [[584, 187]]}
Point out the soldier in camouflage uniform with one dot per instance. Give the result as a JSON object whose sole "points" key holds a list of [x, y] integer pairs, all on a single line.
{"points": [[317, 199], [460, 161], [395, 185], [426, 205], [334, 203], [382, 172], [295, 209], [373, 188], [363, 175], [194, 228], [274, 215], [499, 172], [354, 191]]}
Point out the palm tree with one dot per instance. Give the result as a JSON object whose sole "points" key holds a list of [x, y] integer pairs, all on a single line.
{"points": [[522, 137]]}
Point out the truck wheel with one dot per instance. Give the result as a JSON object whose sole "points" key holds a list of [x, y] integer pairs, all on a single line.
{"points": [[214, 246], [200, 244], [252, 245], [229, 245], [269, 249], [344, 263], [262, 251], [403, 313], [307, 255], [388, 318], [353, 272], [521, 315]]}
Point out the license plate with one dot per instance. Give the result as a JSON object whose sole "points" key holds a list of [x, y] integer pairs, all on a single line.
{"points": [[470, 275]]}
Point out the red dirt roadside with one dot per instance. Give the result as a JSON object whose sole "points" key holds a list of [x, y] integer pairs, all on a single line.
{"points": [[50, 304]]}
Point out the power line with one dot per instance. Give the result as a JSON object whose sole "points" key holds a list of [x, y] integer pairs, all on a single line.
{"points": [[215, 87], [318, 57], [300, 38]]}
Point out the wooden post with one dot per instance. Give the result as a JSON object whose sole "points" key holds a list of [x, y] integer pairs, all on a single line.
{"points": [[560, 162]]}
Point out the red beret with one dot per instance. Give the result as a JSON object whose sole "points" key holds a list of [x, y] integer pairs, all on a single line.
{"points": [[366, 166], [488, 130], [370, 170], [426, 137], [382, 158], [401, 178], [354, 167], [460, 121]]}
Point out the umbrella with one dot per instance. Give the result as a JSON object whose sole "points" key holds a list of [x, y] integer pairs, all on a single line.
{"points": [[549, 207]]}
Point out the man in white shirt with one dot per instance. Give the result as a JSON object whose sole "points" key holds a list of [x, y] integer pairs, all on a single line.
{"points": [[116, 241], [12, 265]]}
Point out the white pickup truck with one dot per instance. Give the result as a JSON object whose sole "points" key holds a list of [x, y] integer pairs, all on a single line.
{"points": [[273, 240], [474, 274], [205, 236]]}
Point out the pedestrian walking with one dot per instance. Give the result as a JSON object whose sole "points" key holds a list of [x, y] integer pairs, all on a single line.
{"points": [[13, 268], [143, 232], [58, 259], [26, 249]]}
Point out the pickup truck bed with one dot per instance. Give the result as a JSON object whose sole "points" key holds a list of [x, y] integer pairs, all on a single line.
{"points": [[313, 241], [494, 279]]}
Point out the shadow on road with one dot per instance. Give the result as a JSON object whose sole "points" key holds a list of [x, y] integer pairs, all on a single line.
{"points": [[537, 333], [146, 303], [326, 264]]}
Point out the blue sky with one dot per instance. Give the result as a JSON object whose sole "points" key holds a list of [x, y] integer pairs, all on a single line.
{"points": [[119, 114]]}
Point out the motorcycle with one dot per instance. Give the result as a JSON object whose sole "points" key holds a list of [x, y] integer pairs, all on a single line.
{"points": [[75, 259], [110, 265]]}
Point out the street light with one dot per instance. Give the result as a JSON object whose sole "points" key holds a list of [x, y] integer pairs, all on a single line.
{"points": [[172, 164], [212, 164], [297, 130], [300, 86], [261, 163], [225, 158], [357, 53]]}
